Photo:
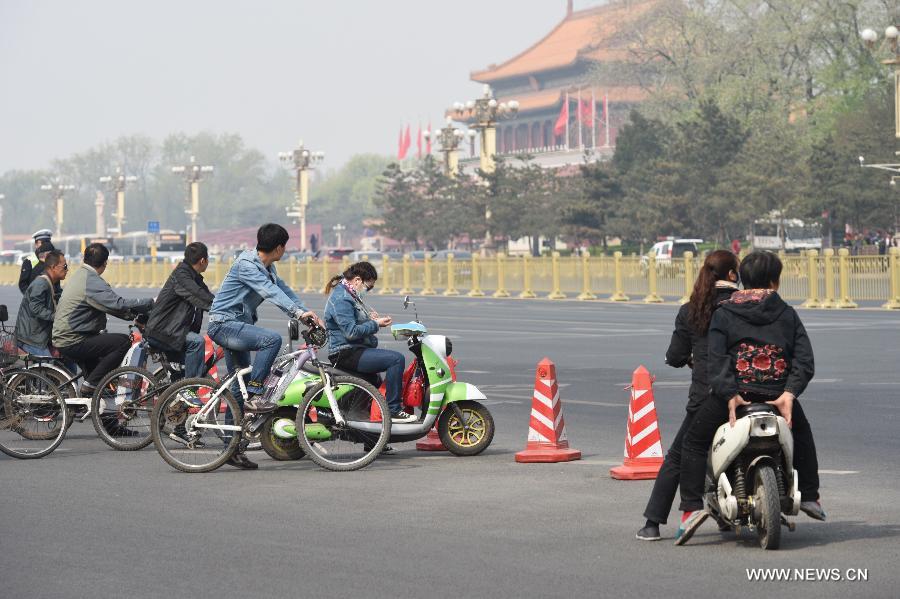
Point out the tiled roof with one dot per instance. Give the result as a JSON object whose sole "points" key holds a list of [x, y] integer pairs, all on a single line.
{"points": [[553, 98], [582, 34]]}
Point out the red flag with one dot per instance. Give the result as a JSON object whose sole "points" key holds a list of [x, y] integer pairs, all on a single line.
{"points": [[430, 137], [563, 120], [419, 142], [585, 115], [405, 142], [400, 145]]}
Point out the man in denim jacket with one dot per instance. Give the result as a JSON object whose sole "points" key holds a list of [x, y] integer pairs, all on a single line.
{"points": [[232, 318]]}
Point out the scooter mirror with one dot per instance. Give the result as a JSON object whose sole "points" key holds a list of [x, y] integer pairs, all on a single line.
{"points": [[405, 302]]}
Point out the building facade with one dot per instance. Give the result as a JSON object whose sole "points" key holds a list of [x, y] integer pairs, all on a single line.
{"points": [[563, 111]]}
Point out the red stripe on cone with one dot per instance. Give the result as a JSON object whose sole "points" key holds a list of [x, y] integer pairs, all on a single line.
{"points": [[547, 439], [643, 445]]}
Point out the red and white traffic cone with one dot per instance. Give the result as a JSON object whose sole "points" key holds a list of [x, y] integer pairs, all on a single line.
{"points": [[547, 439], [643, 446]]}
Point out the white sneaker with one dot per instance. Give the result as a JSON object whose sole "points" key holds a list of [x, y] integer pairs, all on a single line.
{"points": [[402, 416]]}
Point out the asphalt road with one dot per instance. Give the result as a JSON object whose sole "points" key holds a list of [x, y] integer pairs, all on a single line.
{"points": [[90, 522]]}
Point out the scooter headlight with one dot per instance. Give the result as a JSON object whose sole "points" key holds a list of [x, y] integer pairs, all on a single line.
{"points": [[448, 346], [764, 426]]}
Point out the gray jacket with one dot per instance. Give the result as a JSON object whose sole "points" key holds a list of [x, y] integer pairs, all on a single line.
{"points": [[85, 302], [34, 322]]}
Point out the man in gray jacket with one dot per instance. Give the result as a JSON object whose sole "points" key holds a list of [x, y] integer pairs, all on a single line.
{"points": [[81, 316], [34, 322]]}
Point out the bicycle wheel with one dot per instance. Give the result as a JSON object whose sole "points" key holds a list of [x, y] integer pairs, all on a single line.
{"points": [[32, 406], [121, 407], [357, 442], [187, 441], [58, 379]]}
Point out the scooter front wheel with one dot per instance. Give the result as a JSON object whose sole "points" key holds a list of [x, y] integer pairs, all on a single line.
{"points": [[470, 436], [279, 447], [767, 508]]}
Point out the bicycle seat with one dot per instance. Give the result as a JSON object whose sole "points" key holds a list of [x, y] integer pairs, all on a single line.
{"points": [[755, 408]]}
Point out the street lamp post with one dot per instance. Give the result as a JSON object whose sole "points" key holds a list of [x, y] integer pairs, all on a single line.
{"points": [[2, 197], [59, 190], [119, 181], [193, 174], [892, 41], [301, 160], [338, 229], [486, 111], [449, 138]]}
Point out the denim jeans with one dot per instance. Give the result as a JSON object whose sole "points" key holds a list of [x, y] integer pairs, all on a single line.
{"points": [[194, 352], [239, 339], [374, 360]]}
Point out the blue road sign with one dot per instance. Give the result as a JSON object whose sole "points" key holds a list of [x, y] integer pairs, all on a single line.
{"points": [[153, 226]]}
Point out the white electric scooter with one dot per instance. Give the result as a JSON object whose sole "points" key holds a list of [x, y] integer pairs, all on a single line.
{"points": [[751, 480]]}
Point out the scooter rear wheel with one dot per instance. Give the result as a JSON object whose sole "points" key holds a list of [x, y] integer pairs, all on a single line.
{"points": [[767, 508]]}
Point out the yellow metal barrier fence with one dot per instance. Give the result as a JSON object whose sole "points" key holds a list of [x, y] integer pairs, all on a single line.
{"points": [[826, 279]]}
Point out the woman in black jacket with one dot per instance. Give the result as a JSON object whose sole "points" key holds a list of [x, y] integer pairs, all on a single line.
{"points": [[715, 283], [758, 352]]}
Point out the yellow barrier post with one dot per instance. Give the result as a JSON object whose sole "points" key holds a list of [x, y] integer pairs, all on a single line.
{"points": [[501, 276], [132, 272], [385, 276], [812, 296], [653, 296], [406, 278], [844, 270], [586, 294], [893, 302], [429, 289], [451, 277], [309, 275], [292, 273], [143, 279], [688, 277], [556, 293], [475, 291], [325, 277], [527, 292], [619, 292], [829, 302]]}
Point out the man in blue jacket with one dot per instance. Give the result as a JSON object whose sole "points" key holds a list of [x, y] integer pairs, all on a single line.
{"points": [[251, 280]]}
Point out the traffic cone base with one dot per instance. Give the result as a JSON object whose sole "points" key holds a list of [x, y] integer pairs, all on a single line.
{"points": [[547, 439], [645, 469], [431, 442]]}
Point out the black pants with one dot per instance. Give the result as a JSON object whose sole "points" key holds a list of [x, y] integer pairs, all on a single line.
{"points": [[698, 438], [98, 355], [663, 494]]}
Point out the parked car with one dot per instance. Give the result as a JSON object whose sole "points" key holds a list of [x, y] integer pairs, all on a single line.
{"points": [[420, 254], [671, 249], [300, 256], [335, 253], [373, 256]]}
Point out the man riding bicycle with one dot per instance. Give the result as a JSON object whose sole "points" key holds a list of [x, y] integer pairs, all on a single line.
{"points": [[81, 316], [251, 280], [177, 316], [34, 323]]}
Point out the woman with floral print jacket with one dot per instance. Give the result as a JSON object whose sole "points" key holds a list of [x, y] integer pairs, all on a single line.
{"points": [[758, 352]]}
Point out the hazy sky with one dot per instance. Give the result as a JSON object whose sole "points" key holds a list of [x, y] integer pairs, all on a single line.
{"points": [[343, 75]]}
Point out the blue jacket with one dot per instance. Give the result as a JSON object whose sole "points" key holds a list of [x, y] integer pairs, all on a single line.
{"points": [[347, 322], [246, 285]]}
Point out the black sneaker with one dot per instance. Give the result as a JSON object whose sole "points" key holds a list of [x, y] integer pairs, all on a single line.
{"points": [[111, 425], [239, 460], [402, 416], [86, 390], [648, 533], [386, 450]]}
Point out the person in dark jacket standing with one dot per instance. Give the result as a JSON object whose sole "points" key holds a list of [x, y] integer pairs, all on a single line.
{"points": [[177, 316], [758, 352], [34, 323], [715, 283]]}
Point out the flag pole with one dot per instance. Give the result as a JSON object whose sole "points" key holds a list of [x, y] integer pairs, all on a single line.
{"points": [[578, 120], [593, 118], [606, 116], [567, 119]]}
